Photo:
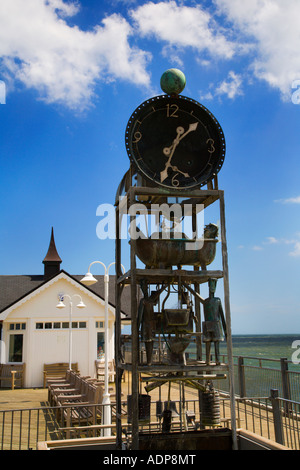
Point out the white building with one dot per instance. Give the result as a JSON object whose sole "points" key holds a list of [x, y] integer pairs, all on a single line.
{"points": [[35, 332]]}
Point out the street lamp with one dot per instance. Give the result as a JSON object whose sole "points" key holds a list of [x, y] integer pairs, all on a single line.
{"points": [[88, 280], [61, 305]]}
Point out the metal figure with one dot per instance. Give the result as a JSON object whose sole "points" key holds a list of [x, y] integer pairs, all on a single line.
{"points": [[214, 321], [147, 319]]}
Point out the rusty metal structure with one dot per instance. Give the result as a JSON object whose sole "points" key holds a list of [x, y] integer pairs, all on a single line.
{"points": [[167, 263]]}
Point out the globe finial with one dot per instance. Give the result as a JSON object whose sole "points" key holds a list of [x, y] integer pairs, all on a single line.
{"points": [[172, 81]]}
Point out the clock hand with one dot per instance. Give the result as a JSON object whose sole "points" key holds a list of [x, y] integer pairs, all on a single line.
{"points": [[180, 131], [169, 151], [192, 127], [174, 168]]}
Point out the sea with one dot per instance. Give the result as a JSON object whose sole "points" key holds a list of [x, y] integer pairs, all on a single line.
{"points": [[274, 347], [266, 346], [262, 347]]}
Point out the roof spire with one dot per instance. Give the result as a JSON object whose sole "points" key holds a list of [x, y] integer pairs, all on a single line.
{"points": [[52, 260]]}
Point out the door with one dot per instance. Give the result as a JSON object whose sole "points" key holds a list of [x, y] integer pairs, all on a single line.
{"points": [[15, 353]]}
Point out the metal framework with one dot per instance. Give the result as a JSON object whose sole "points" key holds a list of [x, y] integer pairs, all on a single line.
{"points": [[192, 279]]}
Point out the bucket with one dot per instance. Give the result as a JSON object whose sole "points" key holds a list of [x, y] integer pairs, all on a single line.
{"points": [[144, 405]]}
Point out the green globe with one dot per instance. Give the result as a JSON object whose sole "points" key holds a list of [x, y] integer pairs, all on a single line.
{"points": [[172, 81]]}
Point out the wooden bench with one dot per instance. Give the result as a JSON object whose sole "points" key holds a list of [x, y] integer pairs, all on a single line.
{"points": [[76, 391], [13, 373], [100, 370], [72, 409], [57, 370], [56, 386]]}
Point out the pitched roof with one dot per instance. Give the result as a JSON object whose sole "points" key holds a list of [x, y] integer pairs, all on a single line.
{"points": [[14, 288]]}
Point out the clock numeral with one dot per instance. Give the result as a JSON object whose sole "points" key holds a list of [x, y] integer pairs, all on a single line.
{"points": [[137, 137], [212, 148], [172, 110], [175, 181]]}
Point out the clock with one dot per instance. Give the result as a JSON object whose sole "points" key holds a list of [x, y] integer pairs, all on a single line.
{"points": [[175, 142]]}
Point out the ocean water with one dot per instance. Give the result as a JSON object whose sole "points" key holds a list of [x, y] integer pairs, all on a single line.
{"points": [[265, 346], [266, 374]]}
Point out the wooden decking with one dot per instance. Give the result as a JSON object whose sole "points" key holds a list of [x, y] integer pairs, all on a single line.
{"points": [[21, 398], [257, 421]]}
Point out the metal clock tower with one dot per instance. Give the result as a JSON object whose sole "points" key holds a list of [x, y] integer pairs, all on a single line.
{"points": [[176, 149]]}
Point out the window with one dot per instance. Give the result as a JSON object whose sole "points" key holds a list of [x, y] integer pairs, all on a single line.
{"points": [[15, 348], [17, 326], [99, 324], [53, 325], [100, 346]]}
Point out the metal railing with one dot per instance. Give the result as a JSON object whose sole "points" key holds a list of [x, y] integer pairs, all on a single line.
{"points": [[271, 417], [267, 403], [255, 376], [22, 429]]}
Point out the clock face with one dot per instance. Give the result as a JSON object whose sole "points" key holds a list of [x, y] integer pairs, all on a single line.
{"points": [[175, 142]]}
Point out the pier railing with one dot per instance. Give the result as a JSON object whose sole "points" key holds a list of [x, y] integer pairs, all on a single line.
{"points": [[255, 377], [267, 403], [272, 417]]}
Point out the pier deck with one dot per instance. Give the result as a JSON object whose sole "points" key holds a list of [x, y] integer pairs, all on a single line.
{"points": [[254, 420]]}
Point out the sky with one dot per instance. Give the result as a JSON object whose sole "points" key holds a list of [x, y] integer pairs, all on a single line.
{"points": [[71, 74]]}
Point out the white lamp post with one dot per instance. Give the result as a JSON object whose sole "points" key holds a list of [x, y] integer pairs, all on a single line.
{"points": [[88, 280], [62, 305]]}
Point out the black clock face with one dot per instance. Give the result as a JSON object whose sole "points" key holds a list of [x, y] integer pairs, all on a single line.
{"points": [[175, 142]]}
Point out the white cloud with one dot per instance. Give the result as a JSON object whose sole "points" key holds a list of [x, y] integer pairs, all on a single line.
{"points": [[272, 240], [63, 63], [296, 250], [257, 248], [66, 9], [280, 242], [183, 26], [273, 26], [291, 200], [230, 87]]}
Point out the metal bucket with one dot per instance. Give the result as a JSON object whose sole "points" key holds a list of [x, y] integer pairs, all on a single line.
{"points": [[174, 321], [144, 408], [177, 317]]}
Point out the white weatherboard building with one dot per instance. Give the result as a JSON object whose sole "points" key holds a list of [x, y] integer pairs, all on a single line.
{"points": [[35, 332]]}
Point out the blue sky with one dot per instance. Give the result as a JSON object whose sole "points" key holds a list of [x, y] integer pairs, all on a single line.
{"points": [[74, 72]]}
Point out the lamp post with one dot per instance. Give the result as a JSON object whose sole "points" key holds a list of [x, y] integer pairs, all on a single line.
{"points": [[88, 280], [61, 305]]}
